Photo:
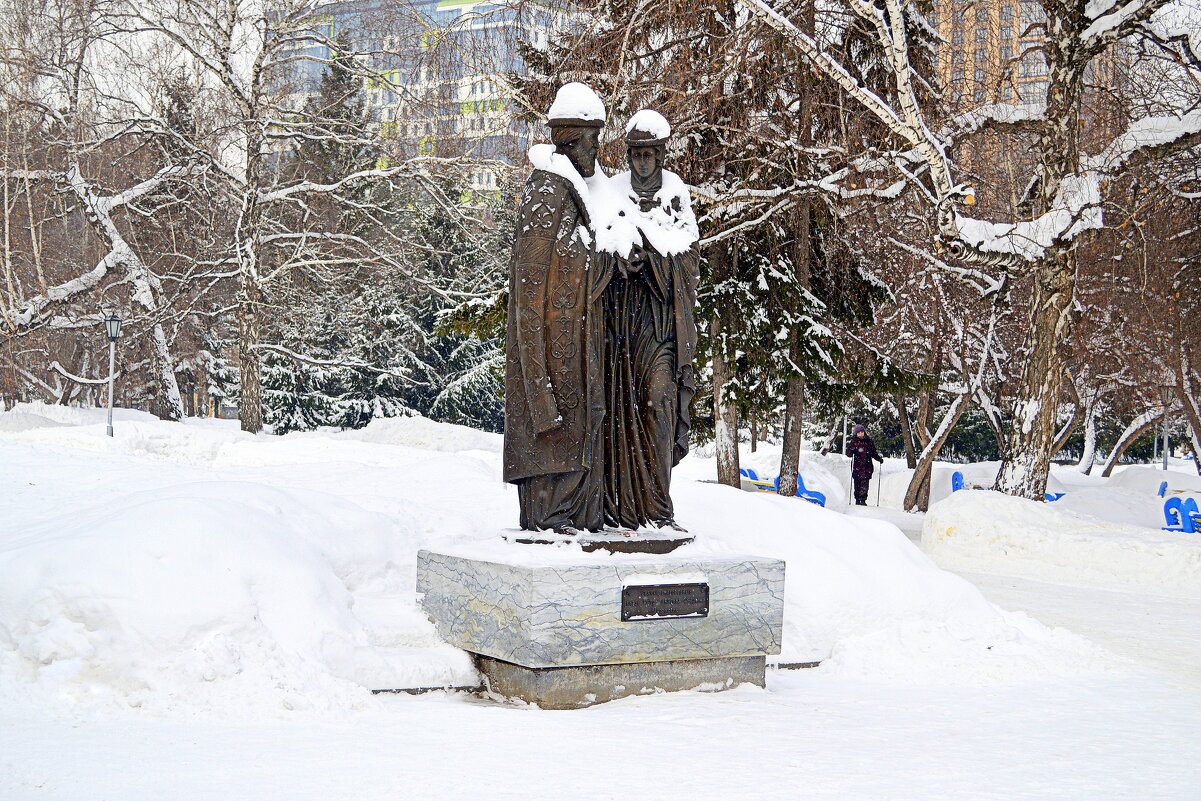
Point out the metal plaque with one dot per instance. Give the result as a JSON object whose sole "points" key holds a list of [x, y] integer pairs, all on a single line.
{"points": [[664, 601]]}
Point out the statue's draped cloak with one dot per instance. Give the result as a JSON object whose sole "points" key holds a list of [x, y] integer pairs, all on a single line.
{"points": [[650, 343], [554, 395]]}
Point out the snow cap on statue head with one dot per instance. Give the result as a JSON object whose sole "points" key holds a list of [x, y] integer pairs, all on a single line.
{"points": [[647, 128], [576, 105]]}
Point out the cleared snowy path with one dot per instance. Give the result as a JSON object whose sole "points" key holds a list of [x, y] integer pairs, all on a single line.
{"points": [[809, 736], [1161, 633]]}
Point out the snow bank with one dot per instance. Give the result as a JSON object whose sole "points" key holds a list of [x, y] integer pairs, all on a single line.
{"points": [[226, 589], [22, 421], [995, 533], [232, 574], [76, 416], [421, 432], [1146, 480]]}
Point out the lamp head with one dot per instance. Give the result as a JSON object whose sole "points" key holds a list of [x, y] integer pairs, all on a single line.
{"points": [[112, 325]]}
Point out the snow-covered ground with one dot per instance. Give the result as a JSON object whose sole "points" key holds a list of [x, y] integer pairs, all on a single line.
{"points": [[187, 611]]}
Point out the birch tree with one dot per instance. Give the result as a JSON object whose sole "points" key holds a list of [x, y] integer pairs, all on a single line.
{"points": [[1065, 187]]}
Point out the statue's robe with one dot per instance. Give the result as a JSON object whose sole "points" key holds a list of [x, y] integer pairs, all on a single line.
{"points": [[650, 343], [554, 395]]}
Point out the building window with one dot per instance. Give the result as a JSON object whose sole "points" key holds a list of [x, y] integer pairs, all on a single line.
{"points": [[1006, 33], [978, 75], [981, 14], [956, 96], [958, 16], [981, 55], [1033, 13], [957, 36], [1007, 53], [1034, 92], [978, 95], [957, 57], [1006, 93], [1033, 65], [957, 76], [1006, 12], [981, 34], [934, 20]]}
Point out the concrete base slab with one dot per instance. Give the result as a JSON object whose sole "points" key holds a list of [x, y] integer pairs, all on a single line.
{"points": [[576, 687]]}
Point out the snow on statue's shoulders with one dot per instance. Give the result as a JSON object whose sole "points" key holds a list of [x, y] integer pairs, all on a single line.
{"points": [[544, 157], [670, 226]]}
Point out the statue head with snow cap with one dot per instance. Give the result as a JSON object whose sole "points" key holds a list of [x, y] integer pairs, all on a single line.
{"points": [[575, 120], [647, 133]]}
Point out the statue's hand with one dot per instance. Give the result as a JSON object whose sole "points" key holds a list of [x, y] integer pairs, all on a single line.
{"points": [[637, 260]]}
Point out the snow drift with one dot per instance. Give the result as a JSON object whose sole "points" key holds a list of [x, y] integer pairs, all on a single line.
{"points": [[226, 572], [989, 532]]}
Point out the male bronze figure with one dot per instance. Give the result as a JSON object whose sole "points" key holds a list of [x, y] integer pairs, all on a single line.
{"points": [[554, 405]]}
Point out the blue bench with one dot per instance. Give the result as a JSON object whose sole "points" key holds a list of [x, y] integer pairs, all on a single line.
{"points": [[1182, 515], [813, 496], [958, 483]]}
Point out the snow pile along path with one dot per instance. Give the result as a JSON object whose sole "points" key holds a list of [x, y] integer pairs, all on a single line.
{"points": [[195, 567], [993, 533]]}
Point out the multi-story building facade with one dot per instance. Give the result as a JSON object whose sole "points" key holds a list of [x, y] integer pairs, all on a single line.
{"points": [[440, 68]]}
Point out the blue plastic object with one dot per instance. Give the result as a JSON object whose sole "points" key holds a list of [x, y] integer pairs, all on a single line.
{"points": [[813, 496], [1053, 496], [749, 473], [1181, 514], [1163, 489], [957, 482]]}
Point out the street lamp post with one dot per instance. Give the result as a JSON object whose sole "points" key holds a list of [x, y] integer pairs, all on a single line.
{"points": [[112, 325]]}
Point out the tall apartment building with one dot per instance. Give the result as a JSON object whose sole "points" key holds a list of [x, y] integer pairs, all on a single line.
{"points": [[439, 64], [989, 51]]}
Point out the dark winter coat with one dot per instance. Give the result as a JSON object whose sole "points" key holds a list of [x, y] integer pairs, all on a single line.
{"points": [[862, 450], [554, 397]]}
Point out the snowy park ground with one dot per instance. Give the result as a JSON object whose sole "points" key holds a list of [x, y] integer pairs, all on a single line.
{"points": [[189, 612]]}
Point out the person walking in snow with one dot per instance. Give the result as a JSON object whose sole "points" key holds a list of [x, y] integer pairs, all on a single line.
{"points": [[862, 450]]}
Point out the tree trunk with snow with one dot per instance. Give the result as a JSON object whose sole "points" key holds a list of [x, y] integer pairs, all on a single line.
{"points": [[725, 414], [1053, 309], [917, 496], [1191, 403], [898, 400], [1137, 427], [1089, 455]]}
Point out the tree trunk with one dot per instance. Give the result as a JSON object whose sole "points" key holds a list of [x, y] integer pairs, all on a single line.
{"points": [[790, 457], [794, 391], [167, 401], [1053, 311], [1089, 454], [1031, 438], [725, 414], [1192, 409], [898, 400], [917, 496], [754, 433], [1137, 427], [250, 399], [1065, 433]]}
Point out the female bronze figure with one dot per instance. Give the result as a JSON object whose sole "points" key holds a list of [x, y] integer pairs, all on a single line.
{"points": [[650, 336]]}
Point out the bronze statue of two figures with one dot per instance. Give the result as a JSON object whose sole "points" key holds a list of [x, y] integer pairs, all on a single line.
{"points": [[601, 333]]}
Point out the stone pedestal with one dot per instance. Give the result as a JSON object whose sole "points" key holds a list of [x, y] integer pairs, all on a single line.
{"points": [[561, 629]]}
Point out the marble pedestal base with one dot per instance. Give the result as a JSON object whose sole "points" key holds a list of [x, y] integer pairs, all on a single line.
{"points": [[578, 687], [630, 621]]}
